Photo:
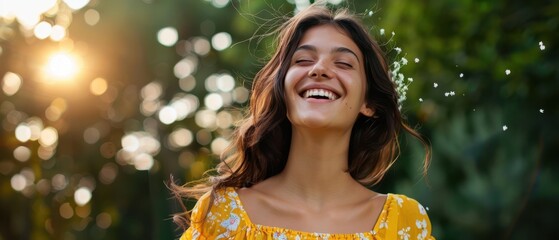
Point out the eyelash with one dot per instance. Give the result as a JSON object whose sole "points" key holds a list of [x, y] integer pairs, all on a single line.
{"points": [[345, 64], [302, 60]]}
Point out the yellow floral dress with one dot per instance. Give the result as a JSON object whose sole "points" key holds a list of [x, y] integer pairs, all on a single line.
{"points": [[401, 218]]}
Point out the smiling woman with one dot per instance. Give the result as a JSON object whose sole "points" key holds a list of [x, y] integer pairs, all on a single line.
{"points": [[323, 127]]}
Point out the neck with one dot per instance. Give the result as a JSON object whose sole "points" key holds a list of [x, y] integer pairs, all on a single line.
{"points": [[317, 165]]}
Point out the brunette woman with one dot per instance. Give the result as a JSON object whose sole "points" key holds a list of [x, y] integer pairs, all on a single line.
{"points": [[323, 127]]}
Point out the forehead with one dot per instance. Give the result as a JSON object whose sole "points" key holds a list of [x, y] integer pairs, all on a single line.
{"points": [[328, 36]]}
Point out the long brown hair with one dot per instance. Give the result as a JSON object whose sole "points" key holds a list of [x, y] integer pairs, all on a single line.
{"points": [[261, 143]]}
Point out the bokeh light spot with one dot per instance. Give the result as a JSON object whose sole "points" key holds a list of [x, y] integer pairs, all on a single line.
{"points": [[46, 153], [18, 182], [167, 115], [185, 67], [98, 86], [66, 211], [91, 135], [201, 46], [167, 36], [82, 196], [57, 33], [143, 161], [49, 137], [187, 83], [59, 182], [180, 138], [240, 94], [225, 83], [76, 4], [130, 143], [103, 220], [23, 133], [224, 119], [42, 30], [91, 17], [205, 118], [108, 173], [203, 137], [221, 41], [220, 3], [11, 84], [213, 101], [152, 91], [22, 153], [218, 145]]}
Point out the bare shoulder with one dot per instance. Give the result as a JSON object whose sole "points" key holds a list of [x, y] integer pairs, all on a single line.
{"points": [[257, 194]]}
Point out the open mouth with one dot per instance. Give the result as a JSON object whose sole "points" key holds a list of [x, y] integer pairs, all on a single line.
{"points": [[319, 94]]}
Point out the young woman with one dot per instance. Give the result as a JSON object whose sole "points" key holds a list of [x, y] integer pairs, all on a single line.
{"points": [[322, 127]]}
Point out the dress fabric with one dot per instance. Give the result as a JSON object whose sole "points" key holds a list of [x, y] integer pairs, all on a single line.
{"points": [[401, 218]]}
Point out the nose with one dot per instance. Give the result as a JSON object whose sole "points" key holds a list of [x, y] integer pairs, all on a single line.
{"points": [[320, 70]]}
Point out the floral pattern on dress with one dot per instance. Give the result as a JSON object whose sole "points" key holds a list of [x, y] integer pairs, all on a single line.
{"points": [[401, 218]]}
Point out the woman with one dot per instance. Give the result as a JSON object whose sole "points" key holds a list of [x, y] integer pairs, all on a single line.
{"points": [[322, 127]]}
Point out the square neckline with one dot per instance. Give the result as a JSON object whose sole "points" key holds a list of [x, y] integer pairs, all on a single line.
{"points": [[249, 222]]}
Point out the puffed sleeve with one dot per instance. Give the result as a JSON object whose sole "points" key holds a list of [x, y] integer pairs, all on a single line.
{"points": [[197, 219], [413, 222]]}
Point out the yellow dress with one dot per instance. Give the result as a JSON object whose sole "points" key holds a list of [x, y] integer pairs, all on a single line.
{"points": [[401, 218]]}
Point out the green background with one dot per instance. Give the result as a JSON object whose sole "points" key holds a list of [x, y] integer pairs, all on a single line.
{"points": [[484, 182]]}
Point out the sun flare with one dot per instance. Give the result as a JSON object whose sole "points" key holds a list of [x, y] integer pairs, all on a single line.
{"points": [[61, 66]]}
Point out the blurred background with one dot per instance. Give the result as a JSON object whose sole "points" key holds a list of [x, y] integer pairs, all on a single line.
{"points": [[102, 101]]}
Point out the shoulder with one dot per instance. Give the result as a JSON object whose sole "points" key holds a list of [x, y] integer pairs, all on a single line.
{"points": [[216, 214], [407, 205], [409, 216]]}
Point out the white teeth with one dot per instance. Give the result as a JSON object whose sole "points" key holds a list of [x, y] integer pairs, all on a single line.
{"points": [[320, 93]]}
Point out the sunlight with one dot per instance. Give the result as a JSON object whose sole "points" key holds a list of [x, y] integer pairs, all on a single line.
{"points": [[61, 66]]}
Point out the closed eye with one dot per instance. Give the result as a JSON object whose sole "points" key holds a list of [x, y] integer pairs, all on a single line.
{"points": [[344, 64], [303, 61]]}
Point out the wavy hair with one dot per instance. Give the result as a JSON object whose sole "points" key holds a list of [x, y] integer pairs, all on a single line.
{"points": [[261, 143]]}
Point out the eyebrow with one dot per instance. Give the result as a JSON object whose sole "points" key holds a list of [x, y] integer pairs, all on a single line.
{"points": [[335, 50]]}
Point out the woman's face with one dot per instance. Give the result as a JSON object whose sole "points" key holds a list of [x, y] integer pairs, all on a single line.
{"points": [[325, 83]]}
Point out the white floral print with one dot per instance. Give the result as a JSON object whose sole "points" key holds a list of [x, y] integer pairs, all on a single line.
{"points": [[227, 219]]}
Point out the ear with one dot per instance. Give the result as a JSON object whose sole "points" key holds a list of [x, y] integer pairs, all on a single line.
{"points": [[366, 110]]}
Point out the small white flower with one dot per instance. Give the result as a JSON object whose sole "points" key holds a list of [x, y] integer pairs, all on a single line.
{"points": [[422, 226], [383, 224], [542, 47], [541, 110], [446, 94], [452, 93], [461, 75], [393, 33], [421, 99], [399, 200], [410, 79], [435, 85], [382, 31], [404, 233], [507, 72], [370, 13], [397, 48], [404, 61], [416, 60], [421, 209], [505, 127]]}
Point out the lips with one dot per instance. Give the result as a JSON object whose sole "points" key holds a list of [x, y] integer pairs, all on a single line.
{"points": [[318, 93]]}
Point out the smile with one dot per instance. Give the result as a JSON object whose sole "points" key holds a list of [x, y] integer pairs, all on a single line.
{"points": [[320, 94]]}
